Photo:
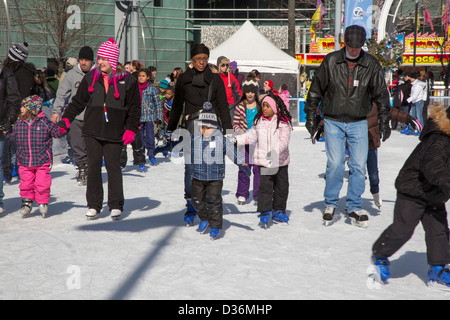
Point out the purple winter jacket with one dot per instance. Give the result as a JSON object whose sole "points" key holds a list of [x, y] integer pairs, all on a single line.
{"points": [[34, 140]]}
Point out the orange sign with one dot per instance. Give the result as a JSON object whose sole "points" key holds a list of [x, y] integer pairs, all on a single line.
{"points": [[323, 45], [426, 45], [426, 59], [310, 59]]}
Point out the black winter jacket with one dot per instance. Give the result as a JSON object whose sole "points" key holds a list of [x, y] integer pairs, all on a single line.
{"points": [[191, 97], [425, 176], [330, 89], [9, 99], [123, 112]]}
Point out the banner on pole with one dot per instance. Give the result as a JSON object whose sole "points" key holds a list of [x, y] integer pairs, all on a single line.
{"points": [[359, 12]]}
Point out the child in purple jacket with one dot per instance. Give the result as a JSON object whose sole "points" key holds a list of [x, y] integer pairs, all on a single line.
{"points": [[33, 134]]}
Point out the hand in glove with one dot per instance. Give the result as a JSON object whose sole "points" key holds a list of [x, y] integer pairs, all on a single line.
{"points": [[246, 169], [64, 125], [385, 131], [311, 124], [414, 123], [5, 127], [128, 137]]}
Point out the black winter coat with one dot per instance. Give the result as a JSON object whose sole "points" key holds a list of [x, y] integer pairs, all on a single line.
{"points": [[425, 176], [191, 97], [123, 112], [9, 99], [330, 89]]}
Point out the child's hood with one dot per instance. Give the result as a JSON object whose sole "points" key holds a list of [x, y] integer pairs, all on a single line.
{"points": [[440, 117]]}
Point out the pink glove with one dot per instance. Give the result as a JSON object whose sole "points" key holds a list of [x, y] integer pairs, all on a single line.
{"points": [[64, 125], [128, 137]]}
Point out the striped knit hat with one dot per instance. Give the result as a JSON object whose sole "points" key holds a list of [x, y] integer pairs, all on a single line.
{"points": [[18, 52], [108, 50]]}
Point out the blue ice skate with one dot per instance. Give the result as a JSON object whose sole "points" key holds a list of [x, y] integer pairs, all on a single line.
{"points": [[280, 216], [382, 268], [264, 218], [141, 168], [214, 233], [190, 213], [439, 276], [152, 159], [202, 225]]}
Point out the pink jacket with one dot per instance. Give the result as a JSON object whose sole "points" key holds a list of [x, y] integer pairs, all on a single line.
{"points": [[272, 143]]}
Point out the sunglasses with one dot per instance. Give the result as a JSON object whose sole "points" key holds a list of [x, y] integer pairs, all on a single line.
{"points": [[224, 65]]}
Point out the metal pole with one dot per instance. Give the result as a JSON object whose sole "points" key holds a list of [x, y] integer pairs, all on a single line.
{"points": [[291, 28], [337, 25], [415, 35]]}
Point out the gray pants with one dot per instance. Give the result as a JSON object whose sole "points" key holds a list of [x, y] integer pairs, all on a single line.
{"points": [[78, 145]]}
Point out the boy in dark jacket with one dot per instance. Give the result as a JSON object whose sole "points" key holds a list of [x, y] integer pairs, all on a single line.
{"points": [[423, 188]]}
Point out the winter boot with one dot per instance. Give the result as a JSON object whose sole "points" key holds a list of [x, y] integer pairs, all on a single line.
{"points": [[25, 210], [280, 216], [359, 219], [43, 208], [264, 217], [190, 213], [328, 216], [439, 275], [382, 268], [214, 233], [82, 175]]}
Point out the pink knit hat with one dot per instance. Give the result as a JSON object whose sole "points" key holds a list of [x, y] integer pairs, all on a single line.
{"points": [[108, 50], [271, 103]]}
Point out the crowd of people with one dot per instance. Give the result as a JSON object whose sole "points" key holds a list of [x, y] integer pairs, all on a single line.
{"points": [[211, 111]]}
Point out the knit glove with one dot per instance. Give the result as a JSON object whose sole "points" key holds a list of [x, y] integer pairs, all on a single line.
{"points": [[128, 137], [64, 125]]}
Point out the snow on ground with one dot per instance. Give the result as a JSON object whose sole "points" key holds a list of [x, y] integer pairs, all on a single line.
{"points": [[150, 254]]}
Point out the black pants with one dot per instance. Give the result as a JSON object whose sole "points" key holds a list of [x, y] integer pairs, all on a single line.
{"points": [[77, 140], [273, 190], [97, 150], [407, 215], [207, 200]]}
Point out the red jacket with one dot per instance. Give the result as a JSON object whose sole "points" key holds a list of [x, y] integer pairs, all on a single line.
{"points": [[231, 83]]}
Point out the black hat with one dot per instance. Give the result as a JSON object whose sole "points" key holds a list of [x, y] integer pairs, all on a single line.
{"points": [[86, 53], [355, 36], [198, 49]]}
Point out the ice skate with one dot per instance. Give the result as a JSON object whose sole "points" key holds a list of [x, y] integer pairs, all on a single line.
{"points": [[202, 225], [141, 168], [377, 200], [241, 200], [264, 218], [328, 216], [82, 175], [43, 208], [92, 214], [382, 273], [214, 233], [439, 277], [190, 213], [25, 210], [359, 219], [115, 214], [280, 216]]}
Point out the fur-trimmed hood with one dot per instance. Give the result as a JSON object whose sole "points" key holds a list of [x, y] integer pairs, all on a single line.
{"points": [[439, 120]]}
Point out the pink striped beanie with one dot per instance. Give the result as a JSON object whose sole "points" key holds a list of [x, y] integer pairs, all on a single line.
{"points": [[110, 50]]}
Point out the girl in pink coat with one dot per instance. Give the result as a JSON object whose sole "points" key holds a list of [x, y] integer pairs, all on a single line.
{"points": [[271, 132], [33, 133]]}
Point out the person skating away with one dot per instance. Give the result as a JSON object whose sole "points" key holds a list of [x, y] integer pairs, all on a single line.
{"points": [[375, 142], [271, 132], [66, 90], [110, 97], [208, 149], [244, 116], [423, 188], [33, 134], [343, 88]]}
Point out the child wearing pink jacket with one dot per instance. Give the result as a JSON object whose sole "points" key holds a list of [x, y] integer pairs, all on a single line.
{"points": [[33, 133], [271, 132]]}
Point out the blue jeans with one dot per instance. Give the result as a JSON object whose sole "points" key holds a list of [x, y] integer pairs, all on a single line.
{"points": [[417, 111], [356, 136], [372, 171], [2, 195]]}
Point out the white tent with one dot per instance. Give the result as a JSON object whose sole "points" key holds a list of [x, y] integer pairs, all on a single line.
{"points": [[252, 50]]}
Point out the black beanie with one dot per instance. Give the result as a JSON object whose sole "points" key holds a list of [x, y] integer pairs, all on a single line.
{"points": [[198, 49], [86, 53]]}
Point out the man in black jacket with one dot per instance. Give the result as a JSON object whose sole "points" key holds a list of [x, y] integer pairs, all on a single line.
{"points": [[196, 86], [344, 86]]}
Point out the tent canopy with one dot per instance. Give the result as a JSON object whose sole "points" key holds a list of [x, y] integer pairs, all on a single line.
{"points": [[252, 50]]}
